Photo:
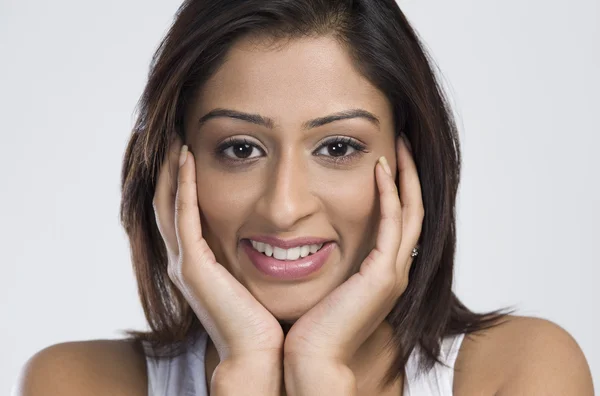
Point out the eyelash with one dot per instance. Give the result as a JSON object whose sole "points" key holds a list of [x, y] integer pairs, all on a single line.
{"points": [[355, 144]]}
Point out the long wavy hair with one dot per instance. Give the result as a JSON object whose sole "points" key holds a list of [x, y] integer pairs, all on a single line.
{"points": [[386, 50]]}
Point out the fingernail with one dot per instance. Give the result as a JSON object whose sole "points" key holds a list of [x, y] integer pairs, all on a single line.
{"points": [[183, 155], [385, 165]]}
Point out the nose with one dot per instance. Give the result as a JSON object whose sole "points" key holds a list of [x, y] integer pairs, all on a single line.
{"points": [[287, 197]]}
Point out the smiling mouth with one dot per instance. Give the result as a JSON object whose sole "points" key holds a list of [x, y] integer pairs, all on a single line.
{"points": [[288, 264], [285, 254]]}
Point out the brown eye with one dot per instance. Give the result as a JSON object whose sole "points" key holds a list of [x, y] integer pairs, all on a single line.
{"points": [[338, 148], [241, 150], [237, 149]]}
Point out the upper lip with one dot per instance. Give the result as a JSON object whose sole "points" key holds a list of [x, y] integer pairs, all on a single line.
{"points": [[288, 243]]}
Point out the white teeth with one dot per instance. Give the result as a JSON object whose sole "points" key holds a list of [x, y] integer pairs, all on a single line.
{"points": [[269, 250], [293, 254], [304, 251], [278, 253], [285, 254]]}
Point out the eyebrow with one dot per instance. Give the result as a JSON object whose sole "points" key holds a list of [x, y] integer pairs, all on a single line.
{"points": [[270, 123]]}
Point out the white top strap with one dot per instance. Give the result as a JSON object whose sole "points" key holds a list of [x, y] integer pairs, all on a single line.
{"points": [[440, 379], [184, 375]]}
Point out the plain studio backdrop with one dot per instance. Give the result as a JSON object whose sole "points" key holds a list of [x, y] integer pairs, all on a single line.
{"points": [[523, 76]]}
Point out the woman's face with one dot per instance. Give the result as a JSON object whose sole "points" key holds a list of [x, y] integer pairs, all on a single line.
{"points": [[287, 179]]}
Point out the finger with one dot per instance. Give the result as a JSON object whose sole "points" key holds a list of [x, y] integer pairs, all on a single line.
{"points": [[174, 152], [365, 299], [411, 200], [163, 201], [389, 232], [245, 326], [187, 212]]}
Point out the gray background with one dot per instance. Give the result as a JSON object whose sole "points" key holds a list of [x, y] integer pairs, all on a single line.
{"points": [[524, 79]]}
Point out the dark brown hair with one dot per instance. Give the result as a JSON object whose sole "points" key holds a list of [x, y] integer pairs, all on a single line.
{"points": [[388, 52]]}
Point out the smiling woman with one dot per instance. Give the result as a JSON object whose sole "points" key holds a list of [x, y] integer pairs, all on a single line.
{"points": [[289, 194]]}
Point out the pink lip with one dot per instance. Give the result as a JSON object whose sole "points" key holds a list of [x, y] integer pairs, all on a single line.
{"points": [[286, 270], [290, 243]]}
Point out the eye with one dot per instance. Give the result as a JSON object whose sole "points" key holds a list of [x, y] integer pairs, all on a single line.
{"points": [[336, 149], [236, 149]]}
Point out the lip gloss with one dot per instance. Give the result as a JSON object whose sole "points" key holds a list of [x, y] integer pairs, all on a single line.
{"points": [[288, 269]]}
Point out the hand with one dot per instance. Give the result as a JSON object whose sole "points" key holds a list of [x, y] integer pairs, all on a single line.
{"points": [[238, 325], [334, 329]]}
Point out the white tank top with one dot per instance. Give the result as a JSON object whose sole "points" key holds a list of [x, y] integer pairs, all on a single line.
{"points": [[184, 375]]}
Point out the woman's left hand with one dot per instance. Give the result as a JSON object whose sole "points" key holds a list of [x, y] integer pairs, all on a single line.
{"points": [[333, 330]]}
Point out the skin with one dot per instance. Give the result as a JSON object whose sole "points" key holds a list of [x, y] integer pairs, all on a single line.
{"points": [[525, 355], [289, 192], [284, 189]]}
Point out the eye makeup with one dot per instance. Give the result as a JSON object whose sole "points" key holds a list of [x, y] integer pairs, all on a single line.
{"points": [[227, 150]]}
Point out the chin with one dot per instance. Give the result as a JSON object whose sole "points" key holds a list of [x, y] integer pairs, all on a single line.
{"points": [[288, 302], [287, 306]]}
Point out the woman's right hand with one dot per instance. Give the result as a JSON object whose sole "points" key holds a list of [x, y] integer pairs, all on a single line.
{"points": [[241, 328]]}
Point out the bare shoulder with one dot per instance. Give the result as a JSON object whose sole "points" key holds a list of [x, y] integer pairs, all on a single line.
{"points": [[85, 368], [522, 355]]}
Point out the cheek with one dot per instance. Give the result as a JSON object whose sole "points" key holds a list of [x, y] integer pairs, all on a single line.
{"points": [[356, 209], [221, 201], [211, 199], [356, 199]]}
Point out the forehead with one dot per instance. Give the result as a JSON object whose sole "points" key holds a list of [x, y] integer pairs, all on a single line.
{"points": [[290, 82]]}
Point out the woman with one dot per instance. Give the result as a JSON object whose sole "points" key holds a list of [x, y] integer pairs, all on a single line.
{"points": [[289, 194]]}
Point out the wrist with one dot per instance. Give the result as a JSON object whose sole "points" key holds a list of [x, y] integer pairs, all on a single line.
{"points": [[248, 376], [318, 377]]}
